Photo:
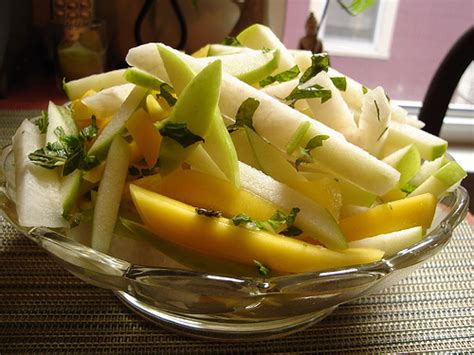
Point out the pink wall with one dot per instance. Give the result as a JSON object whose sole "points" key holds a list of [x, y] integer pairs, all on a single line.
{"points": [[424, 32]]}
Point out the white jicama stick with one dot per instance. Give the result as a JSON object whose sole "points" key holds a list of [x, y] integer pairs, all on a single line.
{"points": [[334, 112], [354, 93], [108, 101], [374, 121], [109, 194]]}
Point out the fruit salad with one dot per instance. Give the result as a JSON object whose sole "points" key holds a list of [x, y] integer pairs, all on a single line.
{"points": [[244, 152]]}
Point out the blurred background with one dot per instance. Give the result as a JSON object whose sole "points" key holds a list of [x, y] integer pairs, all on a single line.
{"points": [[397, 44]]}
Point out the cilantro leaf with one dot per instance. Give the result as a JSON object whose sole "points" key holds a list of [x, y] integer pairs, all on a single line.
{"points": [[42, 122], [180, 133], [166, 92], [208, 212], [319, 62], [408, 188], [378, 110], [305, 153], [310, 92], [280, 222], [262, 269], [67, 152], [364, 90], [286, 75], [339, 82], [231, 41], [244, 116], [90, 132], [381, 134]]}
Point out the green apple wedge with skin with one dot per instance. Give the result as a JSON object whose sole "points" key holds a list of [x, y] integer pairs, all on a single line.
{"points": [[260, 37], [400, 135], [38, 190], [391, 243], [75, 89], [276, 122], [218, 143], [427, 169], [196, 108], [407, 161], [107, 102], [117, 124], [250, 66], [447, 177], [274, 164], [222, 49], [142, 78], [109, 194], [145, 57]]}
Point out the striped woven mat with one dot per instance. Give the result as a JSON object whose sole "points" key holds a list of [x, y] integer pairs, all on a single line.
{"points": [[44, 309]]}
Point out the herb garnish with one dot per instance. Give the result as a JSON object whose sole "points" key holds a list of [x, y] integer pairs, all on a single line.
{"points": [[180, 133], [166, 92], [208, 212], [378, 110], [244, 116], [319, 62], [408, 188], [42, 122], [339, 82], [305, 153], [262, 269], [310, 92], [280, 222], [68, 151], [286, 75], [364, 90], [231, 41], [381, 134]]}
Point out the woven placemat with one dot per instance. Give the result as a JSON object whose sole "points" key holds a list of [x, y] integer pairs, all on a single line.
{"points": [[44, 309]]}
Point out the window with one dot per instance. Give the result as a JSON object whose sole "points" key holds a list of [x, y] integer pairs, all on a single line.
{"points": [[367, 35]]}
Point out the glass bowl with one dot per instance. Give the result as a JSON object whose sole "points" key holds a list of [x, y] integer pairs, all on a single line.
{"points": [[198, 298]]}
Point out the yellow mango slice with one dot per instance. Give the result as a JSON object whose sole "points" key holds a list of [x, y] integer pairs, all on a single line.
{"points": [[135, 153], [216, 236], [145, 135], [206, 191], [154, 109], [80, 112], [390, 217]]}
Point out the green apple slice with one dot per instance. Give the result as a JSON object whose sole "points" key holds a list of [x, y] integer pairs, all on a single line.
{"points": [[275, 165], [38, 190], [109, 194], [222, 49], [70, 189], [117, 124], [75, 89], [218, 142], [400, 135], [249, 66], [391, 243], [142, 78], [146, 57], [107, 102], [427, 169], [59, 117], [200, 160], [448, 176], [407, 161], [260, 37]]}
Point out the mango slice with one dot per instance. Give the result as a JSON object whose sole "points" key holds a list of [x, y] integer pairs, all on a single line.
{"points": [[390, 217], [217, 236]]}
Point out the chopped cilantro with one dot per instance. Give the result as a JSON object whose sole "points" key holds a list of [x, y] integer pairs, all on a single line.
{"points": [[381, 134], [244, 116], [67, 152], [388, 98], [262, 269], [231, 41], [286, 75], [166, 92], [90, 132], [319, 62], [42, 122], [279, 223], [305, 153], [180, 133], [339, 82], [364, 90], [314, 91], [208, 212], [378, 110]]}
